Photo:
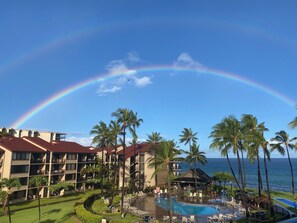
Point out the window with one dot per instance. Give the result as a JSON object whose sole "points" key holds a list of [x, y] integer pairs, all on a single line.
{"points": [[70, 177], [71, 166], [20, 169], [71, 156], [20, 156]]}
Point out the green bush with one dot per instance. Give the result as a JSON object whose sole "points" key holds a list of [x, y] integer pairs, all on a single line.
{"points": [[85, 215]]}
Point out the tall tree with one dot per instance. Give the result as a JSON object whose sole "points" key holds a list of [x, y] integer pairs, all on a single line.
{"points": [[154, 140], [254, 137], [7, 185], [128, 121], [101, 140], [166, 155], [195, 156], [188, 137], [283, 144], [293, 124], [115, 130], [229, 135], [39, 182]]}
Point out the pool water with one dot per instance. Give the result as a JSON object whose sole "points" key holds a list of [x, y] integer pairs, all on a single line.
{"points": [[185, 208], [286, 201]]}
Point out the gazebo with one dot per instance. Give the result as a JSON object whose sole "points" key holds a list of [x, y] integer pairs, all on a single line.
{"points": [[187, 179]]}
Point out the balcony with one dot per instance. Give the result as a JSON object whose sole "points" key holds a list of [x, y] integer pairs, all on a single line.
{"points": [[70, 171], [71, 161], [57, 172], [37, 161], [62, 161], [19, 175], [20, 162], [38, 172]]}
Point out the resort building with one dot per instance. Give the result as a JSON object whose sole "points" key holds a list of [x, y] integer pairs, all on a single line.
{"points": [[137, 166], [58, 161], [26, 153]]}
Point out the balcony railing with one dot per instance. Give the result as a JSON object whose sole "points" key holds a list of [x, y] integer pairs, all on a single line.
{"points": [[58, 172], [37, 160], [58, 160]]}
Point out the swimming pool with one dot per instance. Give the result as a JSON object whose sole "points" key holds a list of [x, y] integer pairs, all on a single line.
{"points": [[287, 202], [185, 208]]}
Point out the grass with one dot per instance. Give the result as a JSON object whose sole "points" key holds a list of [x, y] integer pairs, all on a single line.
{"points": [[53, 213]]}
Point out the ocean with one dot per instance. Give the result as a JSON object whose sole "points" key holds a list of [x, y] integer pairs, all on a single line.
{"points": [[278, 170]]}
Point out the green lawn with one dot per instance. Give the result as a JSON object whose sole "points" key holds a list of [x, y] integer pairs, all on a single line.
{"points": [[61, 212]]}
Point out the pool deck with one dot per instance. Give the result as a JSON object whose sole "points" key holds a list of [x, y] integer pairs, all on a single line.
{"points": [[148, 204]]}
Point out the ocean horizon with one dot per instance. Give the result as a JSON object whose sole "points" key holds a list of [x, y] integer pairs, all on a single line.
{"points": [[278, 170]]}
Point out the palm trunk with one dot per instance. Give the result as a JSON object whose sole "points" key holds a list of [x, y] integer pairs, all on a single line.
{"points": [[116, 164], [124, 159], [243, 169], [268, 188], [39, 211], [232, 171], [8, 209], [259, 176], [102, 163], [292, 174], [134, 174], [243, 195], [169, 194], [195, 177]]}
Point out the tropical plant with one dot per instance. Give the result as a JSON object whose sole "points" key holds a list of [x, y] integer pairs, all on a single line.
{"points": [[38, 182], [154, 140], [229, 135], [115, 130], [102, 140], [194, 156], [127, 120], [293, 124], [282, 144], [165, 156], [8, 186], [57, 188], [254, 137]]}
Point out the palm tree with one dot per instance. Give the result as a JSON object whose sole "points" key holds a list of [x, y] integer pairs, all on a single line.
{"points": [[86, 171], [39, 182], [128, 120], [228, 135], [254, 136], [163, 159], [194, 156], [293, 124], [7, 185], [266, 155], [115, 130], [3, 198], [188, 137], [154, 140], [283, 144], [134, 143], [57, 188], [102, 139]]}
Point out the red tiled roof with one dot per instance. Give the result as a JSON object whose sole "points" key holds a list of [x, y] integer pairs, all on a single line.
{"points": [[61, 146], [19, 145], [70, 147], [139, 148]]}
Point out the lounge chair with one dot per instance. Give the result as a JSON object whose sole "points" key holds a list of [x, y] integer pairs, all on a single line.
{"points": [[165, 218], [184, 219], [192, 219], [195, 194], [215, 218], [191, 195]]}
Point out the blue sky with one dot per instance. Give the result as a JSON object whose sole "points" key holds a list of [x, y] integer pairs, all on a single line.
{"points": [[49, 46]]}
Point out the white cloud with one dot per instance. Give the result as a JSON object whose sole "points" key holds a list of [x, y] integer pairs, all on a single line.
{"points": [[142, 82], [133, 57], [84, 141], [128, 76], [184, 60], [112, 89]]}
